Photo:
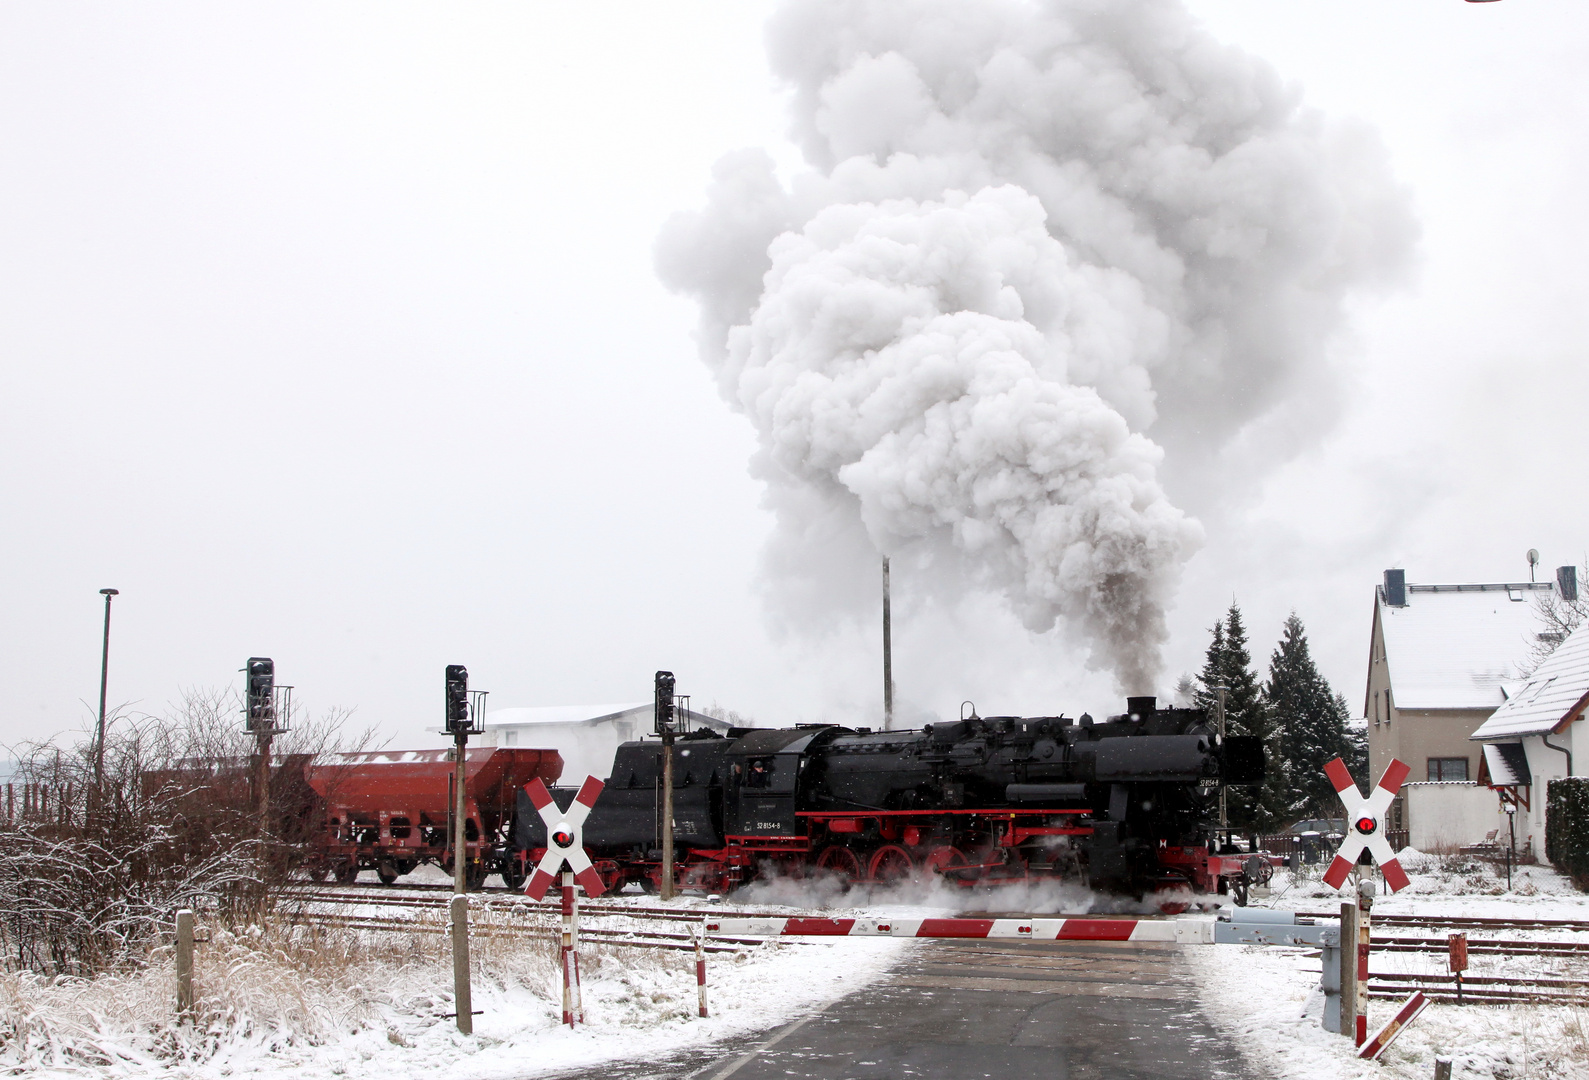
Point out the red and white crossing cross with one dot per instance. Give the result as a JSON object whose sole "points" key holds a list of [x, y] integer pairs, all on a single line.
{"points": [[563, 838], [1365, 824]]}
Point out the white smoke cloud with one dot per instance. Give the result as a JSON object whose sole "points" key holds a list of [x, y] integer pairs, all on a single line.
{"points": [[1048, 262]]}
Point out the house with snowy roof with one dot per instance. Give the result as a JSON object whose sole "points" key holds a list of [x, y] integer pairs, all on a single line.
{"points": [[587, 736], [1532, 738], [1441, 658]]}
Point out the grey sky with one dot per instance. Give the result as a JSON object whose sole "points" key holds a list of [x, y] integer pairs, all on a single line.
{"points": [[332, 334]]}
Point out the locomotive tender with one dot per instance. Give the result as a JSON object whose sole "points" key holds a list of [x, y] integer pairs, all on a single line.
{"points": [[1125, 805]]}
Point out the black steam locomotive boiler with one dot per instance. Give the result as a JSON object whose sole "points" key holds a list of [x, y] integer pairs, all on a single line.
{"points": [[1123, 805]]}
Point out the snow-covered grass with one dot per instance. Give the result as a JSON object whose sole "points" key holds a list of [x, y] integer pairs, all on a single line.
{"points": [[1268, 998], [295, 1002]]}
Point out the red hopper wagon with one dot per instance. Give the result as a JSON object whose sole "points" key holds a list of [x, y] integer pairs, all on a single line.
{"points": [[390, 811]]}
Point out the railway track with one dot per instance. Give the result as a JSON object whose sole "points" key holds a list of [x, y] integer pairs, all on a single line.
{"points": [[512, 899], [1435, 922], [639, 938], [1486, 989]]}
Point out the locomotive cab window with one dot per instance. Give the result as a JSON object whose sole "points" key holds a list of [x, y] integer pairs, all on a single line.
{"points": [[770, 774]]}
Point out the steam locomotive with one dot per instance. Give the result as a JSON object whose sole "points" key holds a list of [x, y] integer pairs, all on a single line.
{"points": [[1123, 805]]}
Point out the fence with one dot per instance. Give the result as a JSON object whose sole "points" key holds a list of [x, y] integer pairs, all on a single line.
{"points": [[47, 804], [1289, 844]]}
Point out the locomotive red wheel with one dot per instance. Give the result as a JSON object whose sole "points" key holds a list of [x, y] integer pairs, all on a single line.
{"points": [[840, 861], [890, 863], [943, 857]]}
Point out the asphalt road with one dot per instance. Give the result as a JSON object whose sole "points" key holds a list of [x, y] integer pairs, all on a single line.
{"points": [[959, 1010]]}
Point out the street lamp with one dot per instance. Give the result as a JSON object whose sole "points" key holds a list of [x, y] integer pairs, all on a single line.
{"points": [[104, 672], [1511, 847]]}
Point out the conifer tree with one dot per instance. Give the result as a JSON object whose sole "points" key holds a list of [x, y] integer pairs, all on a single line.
{"points": [[1310, 723], [1229, 665]]}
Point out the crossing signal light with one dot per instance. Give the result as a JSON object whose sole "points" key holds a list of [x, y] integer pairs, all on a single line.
{"points": [[260, 708], [1366, 825], [457, 697]]}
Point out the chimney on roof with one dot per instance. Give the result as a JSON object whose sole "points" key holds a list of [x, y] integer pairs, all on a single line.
{"points": [[1396, 588], [1567, 583]]}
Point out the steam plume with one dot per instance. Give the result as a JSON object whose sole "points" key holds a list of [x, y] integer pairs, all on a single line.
{"points": [[1029, 237]]}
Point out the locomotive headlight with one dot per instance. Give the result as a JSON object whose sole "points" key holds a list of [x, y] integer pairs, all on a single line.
{"points": [[562, 838]]}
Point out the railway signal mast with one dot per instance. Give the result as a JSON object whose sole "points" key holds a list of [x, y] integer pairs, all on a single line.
{"points": [[266, 709], [666, 725], [465, 716]]}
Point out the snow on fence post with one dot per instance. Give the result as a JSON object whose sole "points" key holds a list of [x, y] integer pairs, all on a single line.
{"points": [[184, 966]]}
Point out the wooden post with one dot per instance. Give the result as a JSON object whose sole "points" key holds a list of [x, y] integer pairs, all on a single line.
{"points": [[665, 727], [1442, 1068], [573, 1010], [185, 966], [461, 998], [1348, 969]]}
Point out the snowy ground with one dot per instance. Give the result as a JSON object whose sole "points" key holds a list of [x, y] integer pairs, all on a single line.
{"points": [[356, 1005], [1267, 999], [359, 1005]]}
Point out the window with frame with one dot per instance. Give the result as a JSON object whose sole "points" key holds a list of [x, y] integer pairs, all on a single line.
{"points": [[1448, 768]]}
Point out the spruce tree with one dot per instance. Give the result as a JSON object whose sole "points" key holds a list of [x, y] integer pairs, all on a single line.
{"points": [[1229, 664], [1310, 727]]}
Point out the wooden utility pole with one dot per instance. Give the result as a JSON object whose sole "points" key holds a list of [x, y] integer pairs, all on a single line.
{"points": [[665, 727], [888, 653], [1219, 720]]}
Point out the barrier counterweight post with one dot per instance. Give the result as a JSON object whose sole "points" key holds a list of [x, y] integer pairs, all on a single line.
{"points": [[700, 966], [570, 970], [462, 999], [1362, 971]]}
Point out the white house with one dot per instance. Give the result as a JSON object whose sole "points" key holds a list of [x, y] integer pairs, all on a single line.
{"points": [[1538, 735], [586, 735]]}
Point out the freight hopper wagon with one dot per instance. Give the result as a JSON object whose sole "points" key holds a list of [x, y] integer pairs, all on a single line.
{"points": [[391, 811], [1127, 805]]}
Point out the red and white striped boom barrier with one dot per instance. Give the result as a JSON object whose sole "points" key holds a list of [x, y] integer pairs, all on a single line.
{"points": [[1405, 1015], [1187, 931], [1365, 819]]}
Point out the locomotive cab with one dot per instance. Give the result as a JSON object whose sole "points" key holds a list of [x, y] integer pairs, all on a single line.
{"points": [[764, 782]]}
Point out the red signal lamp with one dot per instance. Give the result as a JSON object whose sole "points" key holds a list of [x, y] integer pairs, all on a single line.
{"points": [[562, 838], [1366, 825]]}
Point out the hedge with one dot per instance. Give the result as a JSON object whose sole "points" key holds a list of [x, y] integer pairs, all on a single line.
{"points": [[1567, 827]]}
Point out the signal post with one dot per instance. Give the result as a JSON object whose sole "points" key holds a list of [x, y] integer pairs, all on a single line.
{"points": [[465, 715], [666, 727]]}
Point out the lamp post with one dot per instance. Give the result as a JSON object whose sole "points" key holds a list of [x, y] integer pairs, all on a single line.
{"points": [[1511, 846], [104, 673]]}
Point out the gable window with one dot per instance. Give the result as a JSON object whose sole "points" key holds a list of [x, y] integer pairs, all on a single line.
{"points": [[1448, 768]]}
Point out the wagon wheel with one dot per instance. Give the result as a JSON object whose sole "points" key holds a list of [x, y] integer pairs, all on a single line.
{"points": [[943, 858], [346, 872], [890, 863], [513, 874], [840, 861], [474, 875], [386, 870]]}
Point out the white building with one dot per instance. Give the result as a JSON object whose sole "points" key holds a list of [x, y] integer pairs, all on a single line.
{"points": [[1441, 660], [1538, 735], [586, 736]]}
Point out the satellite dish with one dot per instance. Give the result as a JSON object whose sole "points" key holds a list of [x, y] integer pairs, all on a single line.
{"points": [[1533, 556]]}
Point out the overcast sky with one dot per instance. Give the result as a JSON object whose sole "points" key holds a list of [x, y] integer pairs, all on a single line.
{"points": [[332, 334]]}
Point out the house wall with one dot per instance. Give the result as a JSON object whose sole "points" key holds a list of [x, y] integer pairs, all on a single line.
{"points": [[1546, 765], [1447, 814]]}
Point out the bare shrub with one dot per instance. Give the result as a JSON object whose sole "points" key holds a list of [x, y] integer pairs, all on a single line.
{"points": [[94, 874]]}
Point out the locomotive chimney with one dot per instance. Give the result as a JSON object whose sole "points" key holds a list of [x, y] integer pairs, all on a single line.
{"points": [[1140, 708]]}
